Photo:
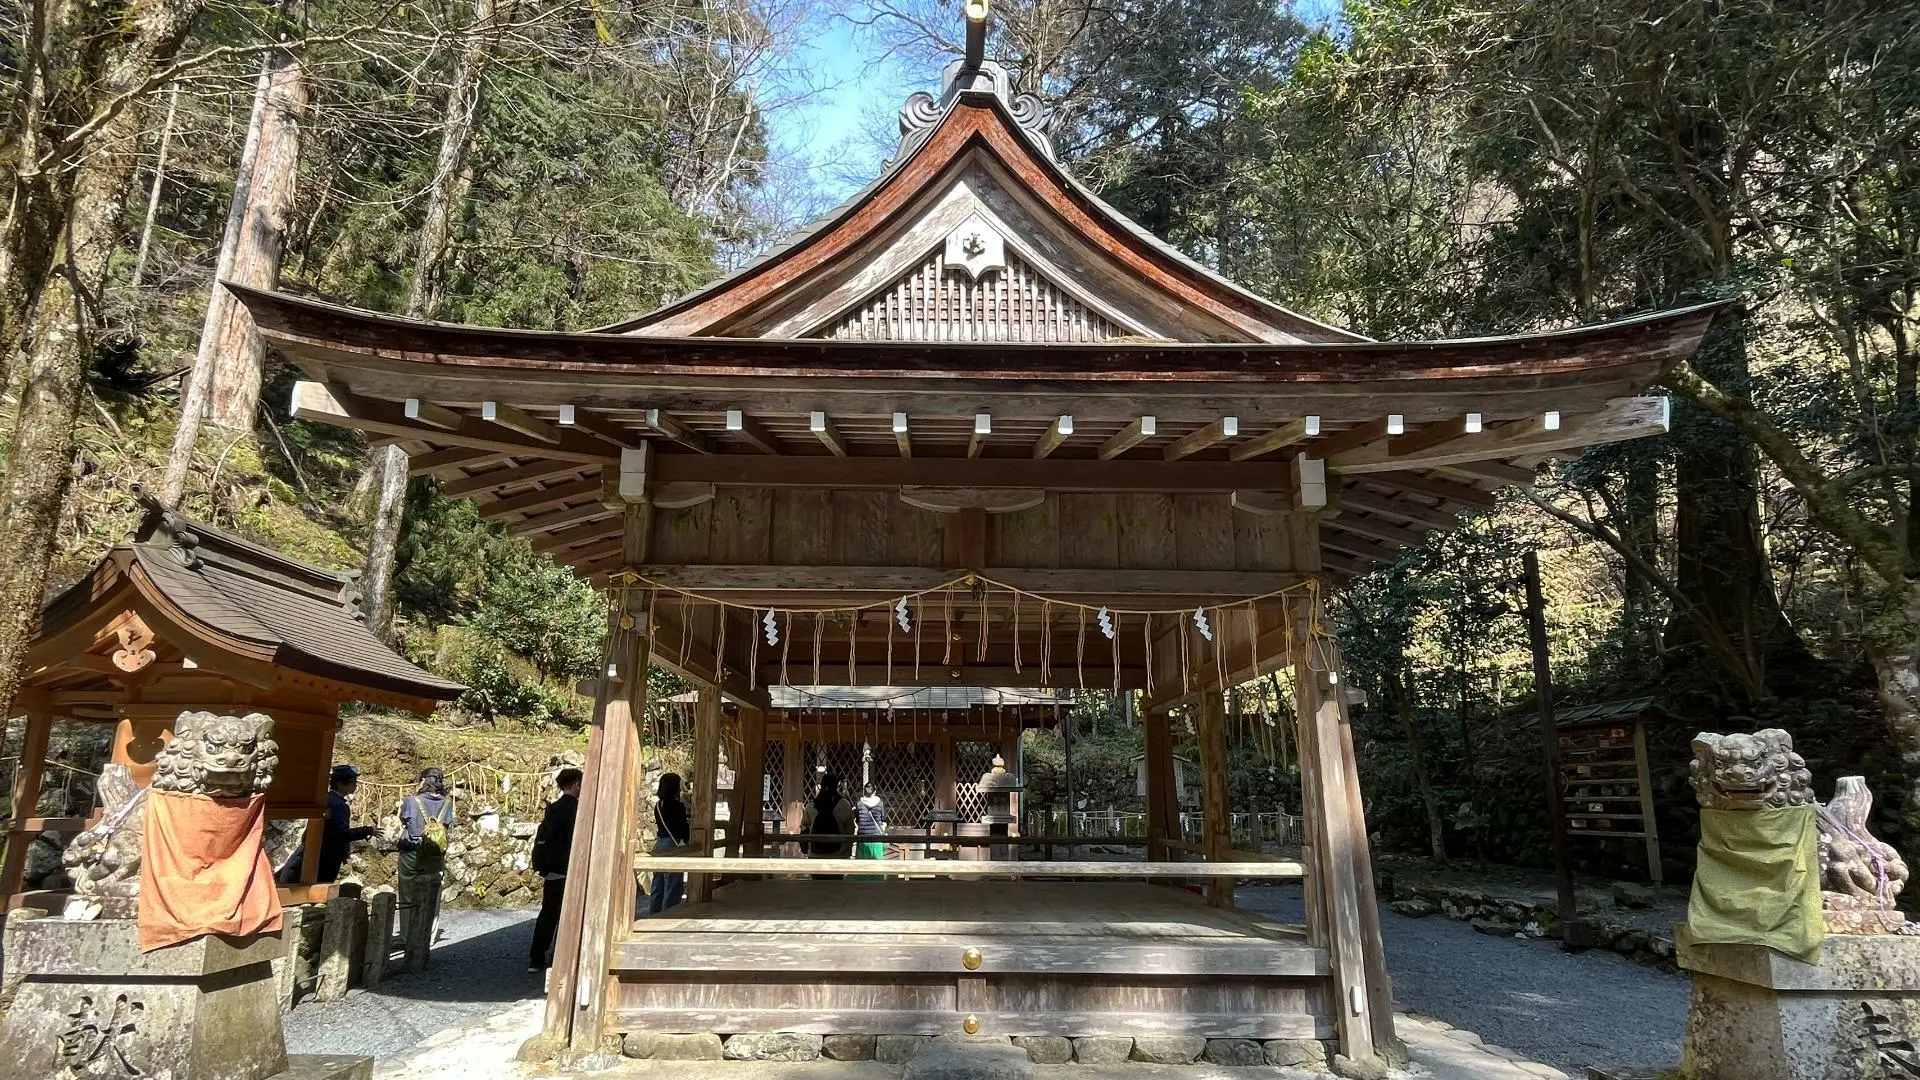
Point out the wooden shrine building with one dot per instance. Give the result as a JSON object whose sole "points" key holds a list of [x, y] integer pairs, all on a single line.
{"points": [[184, 617], [974, 428]]}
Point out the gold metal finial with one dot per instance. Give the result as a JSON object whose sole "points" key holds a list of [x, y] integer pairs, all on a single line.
{"points": [[971, 1025], [971, 959]]}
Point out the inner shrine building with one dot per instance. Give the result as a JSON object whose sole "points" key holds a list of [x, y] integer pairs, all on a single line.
{"points": [[972, 428]]}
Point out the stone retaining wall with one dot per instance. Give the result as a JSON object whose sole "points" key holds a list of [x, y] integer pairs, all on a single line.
{"points": [[1506, 916], [1041, 1050]]}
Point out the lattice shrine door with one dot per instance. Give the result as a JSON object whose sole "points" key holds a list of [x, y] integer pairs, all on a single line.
{"points": [[902, 774]]}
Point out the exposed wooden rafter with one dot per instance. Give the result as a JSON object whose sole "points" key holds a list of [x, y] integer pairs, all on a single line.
{"points": [[1053, 474], [436, 415], [538, 500], [669, 426], [599, 426], [487, 481], [750, 431], [514, 419], [1619, 419], [332, 405], [1227, 427], [822, 427], [1129, 437], [1058, 432], [1283, 436]]}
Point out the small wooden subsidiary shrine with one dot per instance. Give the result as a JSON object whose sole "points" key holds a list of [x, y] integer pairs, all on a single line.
{"points": [[973, 428], [186, 617]]}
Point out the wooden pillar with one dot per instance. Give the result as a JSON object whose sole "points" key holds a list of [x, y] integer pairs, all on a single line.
{"points": [[26, 798], [1216, 815], [1652, 833], [750, 784], [1163, 803], [793, 783], [601, 864], [706, 763], [946, 785], [1340, 840]]}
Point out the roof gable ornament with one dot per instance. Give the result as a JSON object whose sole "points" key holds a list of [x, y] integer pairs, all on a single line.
{"points": [[973, 73], [976, 247]]}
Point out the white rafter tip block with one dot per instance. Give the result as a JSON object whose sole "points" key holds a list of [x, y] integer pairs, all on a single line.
{"points": [[899, 423], [413, 408], [1065, 425], [186, 663], [736, 420], [1551, 421], [1396, 424], [1666, 414], [1149, 426], [817, 422], [567, 415], [1313, 426], [489, 410], [1474, 423], [1230, 427], [983, 423]]}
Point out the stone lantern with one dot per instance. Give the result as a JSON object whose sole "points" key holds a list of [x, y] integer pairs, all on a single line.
{"points": [[1001, 790]]}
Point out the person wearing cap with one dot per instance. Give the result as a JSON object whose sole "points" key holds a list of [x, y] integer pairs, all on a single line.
{"points": [[339, 835], [425, 818]]}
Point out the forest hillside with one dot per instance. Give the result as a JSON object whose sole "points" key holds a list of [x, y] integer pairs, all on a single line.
{"points": [[1412, 169]]}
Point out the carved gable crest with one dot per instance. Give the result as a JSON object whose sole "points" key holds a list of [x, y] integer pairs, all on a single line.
{"points": [[976, 247]]}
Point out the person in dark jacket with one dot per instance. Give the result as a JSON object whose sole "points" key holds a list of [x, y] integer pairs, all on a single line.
{"points": [[337, 834], [552, 847], [673, 829]]}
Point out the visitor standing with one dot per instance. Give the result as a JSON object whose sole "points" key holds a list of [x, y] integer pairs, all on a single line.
{"points": [[339, 835], [829, 814], [870, 820], [425, 817], [552, 849], [673, 828]]}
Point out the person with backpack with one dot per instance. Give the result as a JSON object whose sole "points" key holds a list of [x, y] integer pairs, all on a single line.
{"points": [[552, 848], [424, 817], [672, 826], [829, 814]]}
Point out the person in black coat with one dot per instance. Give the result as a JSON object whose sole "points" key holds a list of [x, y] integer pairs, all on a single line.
{"points": [[552, 847], [337, 835]]}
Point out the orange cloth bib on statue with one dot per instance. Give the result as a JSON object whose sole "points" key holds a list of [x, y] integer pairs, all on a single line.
{"points": [[204, 869]]}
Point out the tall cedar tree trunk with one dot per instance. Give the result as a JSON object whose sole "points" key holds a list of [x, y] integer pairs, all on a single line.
{"points": [[447, 191], [224, 386], [64, 321], [1400, 686], [1721, 565]]}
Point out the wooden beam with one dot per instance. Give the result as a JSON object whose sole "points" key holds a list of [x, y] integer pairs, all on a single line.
{"points": [[1129, 437], [751, 432], [1113, 870], [1227, 427], [1620, 419], [992, 500], [1340, 540], [598, 425], [539, 470], [668, 425], [1326, 446], [1378, 529], [499, 412], [822, 427], [725, 581], [933, 673], [982, 427], [439, 461], [1497, 471], [901, 437], [538, 500], [1053, 474], [1438, 487], [1354, 497], [566, 538], [1056, 434], [428, 413], [1283, 436], [330, 405], [1427, 437], [540, 523]]}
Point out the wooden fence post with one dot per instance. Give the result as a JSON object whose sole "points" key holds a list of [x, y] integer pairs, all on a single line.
{"points": [[380, 906]]}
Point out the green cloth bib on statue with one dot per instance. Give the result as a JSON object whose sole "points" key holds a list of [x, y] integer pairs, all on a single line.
{"points": [[1757, 881]]}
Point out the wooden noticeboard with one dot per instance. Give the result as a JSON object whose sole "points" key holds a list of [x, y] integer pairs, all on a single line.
{"points": [[1605, 786]]}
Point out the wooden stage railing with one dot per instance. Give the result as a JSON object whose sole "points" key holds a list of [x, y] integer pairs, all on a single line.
{"points": [[960, 868]]}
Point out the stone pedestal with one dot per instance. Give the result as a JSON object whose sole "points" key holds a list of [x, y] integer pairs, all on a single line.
{"points": [[1760, 1015], [91, 1005]]}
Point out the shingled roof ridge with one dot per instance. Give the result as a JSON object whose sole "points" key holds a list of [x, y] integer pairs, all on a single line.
{"points": [[192, 540]]}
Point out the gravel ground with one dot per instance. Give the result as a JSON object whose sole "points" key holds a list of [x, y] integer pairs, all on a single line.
{"points": [[479, 968], [1597, 1008], [1564, 1010]]}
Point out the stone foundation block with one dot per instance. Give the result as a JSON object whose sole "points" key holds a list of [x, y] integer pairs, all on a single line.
{"points": [[849, 1047], [970, 1061], [1234, 1052], [898, 1049], [1298, 1053], [1372, 1068], [1045, 1049], [704, 1046], [1169, 1049], [773, 1046], [1102, 1049]]}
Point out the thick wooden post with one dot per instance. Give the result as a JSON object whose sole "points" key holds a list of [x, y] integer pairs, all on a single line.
{"points": [[1163, 804], [706, 763], [749, 784], [26, 799], [1340, 839], [1216, 816], [600, 867], [793, 783], [946, 790]]}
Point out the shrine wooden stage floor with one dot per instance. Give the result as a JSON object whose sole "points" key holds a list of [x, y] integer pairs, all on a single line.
{"points": [[890, 958]]}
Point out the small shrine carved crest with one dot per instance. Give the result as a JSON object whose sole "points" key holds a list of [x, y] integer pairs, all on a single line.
{"points": [[976, 247]]}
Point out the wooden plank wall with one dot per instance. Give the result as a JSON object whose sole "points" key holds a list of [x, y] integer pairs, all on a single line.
{"points": [[805, 527]]}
